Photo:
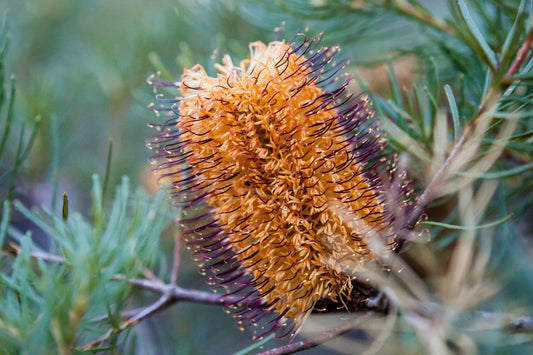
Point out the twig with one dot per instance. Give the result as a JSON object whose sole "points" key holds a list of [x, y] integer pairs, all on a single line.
{"points": [[417, 12], [171, 294], [163, 302], [146, 284], [124, 314], [177, 293], [521, 55], [425, 310], [47, 257], [174, 294], [37, 254], [315, 341], [426, 197]]}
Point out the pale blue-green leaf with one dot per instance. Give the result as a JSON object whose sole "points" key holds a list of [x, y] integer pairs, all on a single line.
{"points": [[97, 208], [37, 220], [489, 53], [6, 213], [396, 92], [454, 111], [256, 346], [513, 35], [156, 62], [457, 227], [500, 174]]}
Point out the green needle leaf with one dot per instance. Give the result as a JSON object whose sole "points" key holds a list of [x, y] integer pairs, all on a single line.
{"points": [[107, 168], [454, 111], [481, 226], [500, 174], [478, 36], [9, 118], [5, 221], [159, 66], [255, 346]]}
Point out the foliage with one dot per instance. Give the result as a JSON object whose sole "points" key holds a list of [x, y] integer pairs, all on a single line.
{"points": [[50, 300], [459, 120]]}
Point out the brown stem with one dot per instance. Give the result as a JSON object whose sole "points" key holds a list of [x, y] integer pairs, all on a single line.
{"points": [[315, 341], [181, 294], [512, 325], [163, 302], [521, 55], [47, 257], [171, 294], [427, 195], [37, 254]]}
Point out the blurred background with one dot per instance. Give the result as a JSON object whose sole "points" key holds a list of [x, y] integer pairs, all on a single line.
{"points": [[82, 67], [84, 64]]}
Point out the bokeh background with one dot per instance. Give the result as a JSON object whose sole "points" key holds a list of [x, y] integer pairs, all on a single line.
{"points": [[82, 67], [85, 64]]}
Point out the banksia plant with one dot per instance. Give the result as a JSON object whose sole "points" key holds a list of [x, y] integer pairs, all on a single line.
{"points": [[294, 204], [268, 159]]}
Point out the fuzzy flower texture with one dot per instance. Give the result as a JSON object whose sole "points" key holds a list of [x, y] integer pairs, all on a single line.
{"points": [[280, 173]]}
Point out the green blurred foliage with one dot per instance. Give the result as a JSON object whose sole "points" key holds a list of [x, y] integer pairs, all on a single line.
{"points": [[85, 63], [81, 67]]}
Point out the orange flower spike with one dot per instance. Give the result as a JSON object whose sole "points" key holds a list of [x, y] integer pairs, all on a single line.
{"points": [[262, 157]]}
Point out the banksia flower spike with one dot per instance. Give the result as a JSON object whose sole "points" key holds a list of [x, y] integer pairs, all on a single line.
{"points": [[262, 157]]}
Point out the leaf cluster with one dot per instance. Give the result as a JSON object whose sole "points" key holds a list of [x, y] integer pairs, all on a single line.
{"points": [[461, 126], [60, 298]]}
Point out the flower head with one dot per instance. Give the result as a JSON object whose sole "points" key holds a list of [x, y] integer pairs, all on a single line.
{"points": [[267, 158]]}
